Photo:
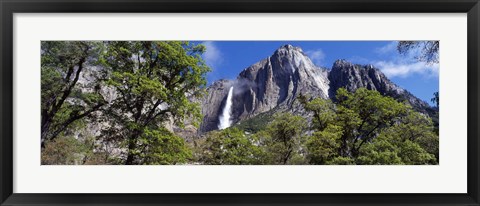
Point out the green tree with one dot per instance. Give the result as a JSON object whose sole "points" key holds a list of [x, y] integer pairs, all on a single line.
{"points": [[415, 128], [341, 161], [64, 151], [283, 139], [410, 140], [323, 111], [68, 150], [161, 147], [413, 154], [323, 145], [380, 152], [365, 127], [63, 101], [391, 149], [230, 147], [363, 114], [153, 82]]}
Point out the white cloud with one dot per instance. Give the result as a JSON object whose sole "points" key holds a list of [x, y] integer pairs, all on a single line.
{"points": [[317, 56], [399, 69], [212, 56], [388, 48], [403, 65]]}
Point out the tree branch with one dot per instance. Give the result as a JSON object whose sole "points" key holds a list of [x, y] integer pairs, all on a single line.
{"points": [[69, 88], [73, 119], [366, 136]]}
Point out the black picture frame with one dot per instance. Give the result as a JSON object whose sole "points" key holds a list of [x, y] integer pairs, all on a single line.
{"points": [[10, 7]]}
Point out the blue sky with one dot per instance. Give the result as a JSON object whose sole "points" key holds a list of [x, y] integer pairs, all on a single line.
{"points": [[228, 58]]}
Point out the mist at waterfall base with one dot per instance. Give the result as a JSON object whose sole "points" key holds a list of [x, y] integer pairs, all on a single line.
{"points": [[224, 119]]}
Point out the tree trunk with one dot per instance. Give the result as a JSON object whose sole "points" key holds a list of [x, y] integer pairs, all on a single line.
{"points": [[131, 148], [132, 145], [355, 152], [44, 132], [49, 114]]}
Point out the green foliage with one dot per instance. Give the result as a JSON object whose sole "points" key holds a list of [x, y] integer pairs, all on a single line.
{"points": [[323, 112], [409, 141], [417, 128], [379, 152], [323, 145], [257, 123], [154, 81], [279, 143], [413, 154], [365, 127], [51, 80], [63, 101], [161, 147], [341, 161], [230, 147], [151, 83], [283, 138], [65, 150], [363, 114], [157, 73]]}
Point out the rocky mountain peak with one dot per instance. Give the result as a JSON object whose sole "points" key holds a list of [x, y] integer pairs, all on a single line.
{"points": [[351, 76], [271, 83], [290, 59], [288, 48], [341, 64], [288, 51], [274, 83]]}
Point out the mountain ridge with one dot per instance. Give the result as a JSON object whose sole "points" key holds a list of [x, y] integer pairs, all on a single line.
{"points": [[276, 81]]}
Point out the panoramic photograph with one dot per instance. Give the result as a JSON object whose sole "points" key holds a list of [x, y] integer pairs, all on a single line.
{"points": [[240, 102]]}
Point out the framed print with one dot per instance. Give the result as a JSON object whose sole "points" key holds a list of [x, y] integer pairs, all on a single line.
{"points": [[240, 102]]}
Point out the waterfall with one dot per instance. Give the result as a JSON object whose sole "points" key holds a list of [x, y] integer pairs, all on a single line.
{"points": [[224, 118]]}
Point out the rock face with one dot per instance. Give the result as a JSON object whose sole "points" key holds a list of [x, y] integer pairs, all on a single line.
{"points": [[354, 76], [213, 104], [275, 83]]}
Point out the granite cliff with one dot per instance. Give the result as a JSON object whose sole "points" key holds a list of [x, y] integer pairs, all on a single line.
{"points": [[274, 83]]}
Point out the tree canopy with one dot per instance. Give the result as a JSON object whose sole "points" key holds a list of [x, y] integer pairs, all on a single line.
{"points": [[365, 127], [149, 83], [153, 81], [63, 100]]}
